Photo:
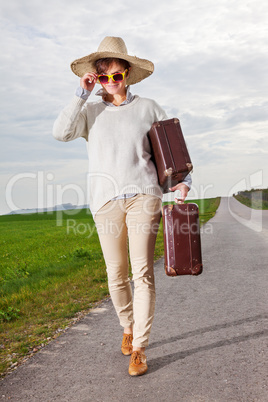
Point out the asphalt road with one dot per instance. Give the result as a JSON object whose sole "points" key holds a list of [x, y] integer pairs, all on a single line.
{"points": [[208, 342]]}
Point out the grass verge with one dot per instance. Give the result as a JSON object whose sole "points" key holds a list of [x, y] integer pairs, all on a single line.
{"points": [[256, 199], [52, 275]]}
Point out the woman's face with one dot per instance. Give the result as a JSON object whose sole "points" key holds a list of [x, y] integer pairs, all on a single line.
{"points": [[115, 88]]}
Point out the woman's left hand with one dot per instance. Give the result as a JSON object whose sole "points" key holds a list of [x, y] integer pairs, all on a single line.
{"points": [[184, 189]]}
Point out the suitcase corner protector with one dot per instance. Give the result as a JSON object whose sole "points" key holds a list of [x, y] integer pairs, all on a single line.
{"points": [[189, 166], [167, 208], [197, 269], [170, 271]]}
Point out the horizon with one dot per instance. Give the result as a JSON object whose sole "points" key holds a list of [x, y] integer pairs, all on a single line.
{"points": [[58, 207]]}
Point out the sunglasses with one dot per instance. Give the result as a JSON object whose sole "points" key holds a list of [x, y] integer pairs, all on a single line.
{"points": [[117, 77]]}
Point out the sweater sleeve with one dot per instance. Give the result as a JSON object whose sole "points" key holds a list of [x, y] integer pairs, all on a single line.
{"points": [[71, 122], [161, 114]]}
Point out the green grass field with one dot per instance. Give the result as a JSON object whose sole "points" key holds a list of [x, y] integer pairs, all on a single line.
{"points": [[256, 199], [50, 275]]}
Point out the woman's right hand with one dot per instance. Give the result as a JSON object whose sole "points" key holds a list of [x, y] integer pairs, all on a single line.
{"points": [[88, 81]]}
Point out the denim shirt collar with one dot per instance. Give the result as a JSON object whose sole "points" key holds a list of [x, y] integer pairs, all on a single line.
{"points": [[103, 93]]}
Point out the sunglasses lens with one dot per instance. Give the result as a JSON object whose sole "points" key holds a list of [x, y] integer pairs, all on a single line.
{"points": [[103, 79], [118, 77]]}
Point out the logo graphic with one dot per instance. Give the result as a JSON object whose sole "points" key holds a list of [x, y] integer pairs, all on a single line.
{"points": [[249, 217]]}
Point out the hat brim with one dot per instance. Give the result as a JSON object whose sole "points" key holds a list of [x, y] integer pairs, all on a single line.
{"points": [[140, 68]]}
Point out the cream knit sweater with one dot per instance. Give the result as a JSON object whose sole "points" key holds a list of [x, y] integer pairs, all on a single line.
{"points": [[118, 148]]}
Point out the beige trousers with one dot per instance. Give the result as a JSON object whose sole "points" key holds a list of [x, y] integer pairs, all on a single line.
{"points": [[131, 222]]}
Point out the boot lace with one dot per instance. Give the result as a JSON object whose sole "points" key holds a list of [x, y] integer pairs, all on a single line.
{"points": [[136, 357], [127, 341]]}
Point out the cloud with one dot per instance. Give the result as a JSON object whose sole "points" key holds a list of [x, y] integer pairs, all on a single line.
{"points": [[210, 71]]}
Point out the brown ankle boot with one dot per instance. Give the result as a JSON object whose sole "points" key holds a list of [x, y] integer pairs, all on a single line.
{"points": [[126, 346], [137, 364]]}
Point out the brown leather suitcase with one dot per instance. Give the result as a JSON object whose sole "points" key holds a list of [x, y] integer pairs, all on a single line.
{"points": [[182, 239], [170, 153]]}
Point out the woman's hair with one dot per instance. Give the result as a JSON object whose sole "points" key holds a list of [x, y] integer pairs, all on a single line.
{"points": [[103, 64]]}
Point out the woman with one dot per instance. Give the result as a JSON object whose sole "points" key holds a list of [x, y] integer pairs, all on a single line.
{"points": [[124, 196]]}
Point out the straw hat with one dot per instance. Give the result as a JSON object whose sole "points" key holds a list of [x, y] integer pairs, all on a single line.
{"points": [[114, 47]]}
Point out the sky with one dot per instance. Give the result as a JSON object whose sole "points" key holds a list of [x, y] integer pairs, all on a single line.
{"points": [[211, 61]]}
